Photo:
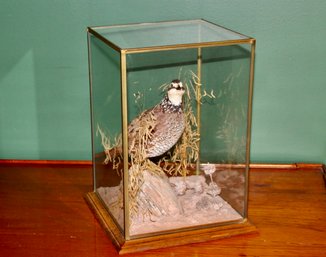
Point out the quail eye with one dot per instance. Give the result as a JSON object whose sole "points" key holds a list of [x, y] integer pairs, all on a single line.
{"points": [[180, 87]]}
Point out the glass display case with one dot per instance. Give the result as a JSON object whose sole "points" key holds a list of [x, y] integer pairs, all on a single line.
{"points": [[171, 124]]}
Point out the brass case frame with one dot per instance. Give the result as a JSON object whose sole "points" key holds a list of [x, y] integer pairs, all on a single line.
{"points": [[122, 239]]}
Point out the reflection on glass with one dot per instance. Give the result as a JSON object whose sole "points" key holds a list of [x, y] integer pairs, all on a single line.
{"points": [[106, 126], [166, 34]]}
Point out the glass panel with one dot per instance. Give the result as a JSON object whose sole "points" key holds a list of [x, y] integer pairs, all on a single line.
{"points": [[147, 76], [166, 34], [175, 189], [106, 127], [152, 198], [224, 120]]}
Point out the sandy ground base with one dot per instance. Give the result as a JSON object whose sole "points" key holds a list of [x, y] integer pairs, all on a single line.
{"points": [[197, 208]]}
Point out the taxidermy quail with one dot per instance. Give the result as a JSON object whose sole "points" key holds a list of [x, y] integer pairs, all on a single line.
{"points": [[167, 123]]}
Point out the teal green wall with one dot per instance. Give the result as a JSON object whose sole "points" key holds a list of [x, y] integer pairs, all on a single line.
{"points": [[44, 106]]}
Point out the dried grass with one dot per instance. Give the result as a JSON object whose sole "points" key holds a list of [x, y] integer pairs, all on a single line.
{"points": [[177, 162]]}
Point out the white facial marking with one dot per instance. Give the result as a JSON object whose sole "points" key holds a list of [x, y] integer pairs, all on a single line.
{"points": [[175, 94]]}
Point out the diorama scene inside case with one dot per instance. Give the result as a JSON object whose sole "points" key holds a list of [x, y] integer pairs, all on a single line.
{"points": [[187, 134]]}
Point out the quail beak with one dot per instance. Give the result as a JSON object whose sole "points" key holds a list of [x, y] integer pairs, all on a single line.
{"points": [[180, 87]]}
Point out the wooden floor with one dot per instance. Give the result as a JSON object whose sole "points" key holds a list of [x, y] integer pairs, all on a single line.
{"points": [[43, 213]]}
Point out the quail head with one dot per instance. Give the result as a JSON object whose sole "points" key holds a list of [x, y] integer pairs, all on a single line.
{"points": [[167, 123]]}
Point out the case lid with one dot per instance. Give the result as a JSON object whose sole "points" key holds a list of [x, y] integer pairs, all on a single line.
{"points": [[162, 34]]}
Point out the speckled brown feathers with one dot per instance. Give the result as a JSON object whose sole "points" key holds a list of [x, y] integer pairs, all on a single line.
{"points": [[165, 123]]}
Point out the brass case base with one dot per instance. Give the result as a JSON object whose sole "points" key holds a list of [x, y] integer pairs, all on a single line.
{"points": [[160, 241]]}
